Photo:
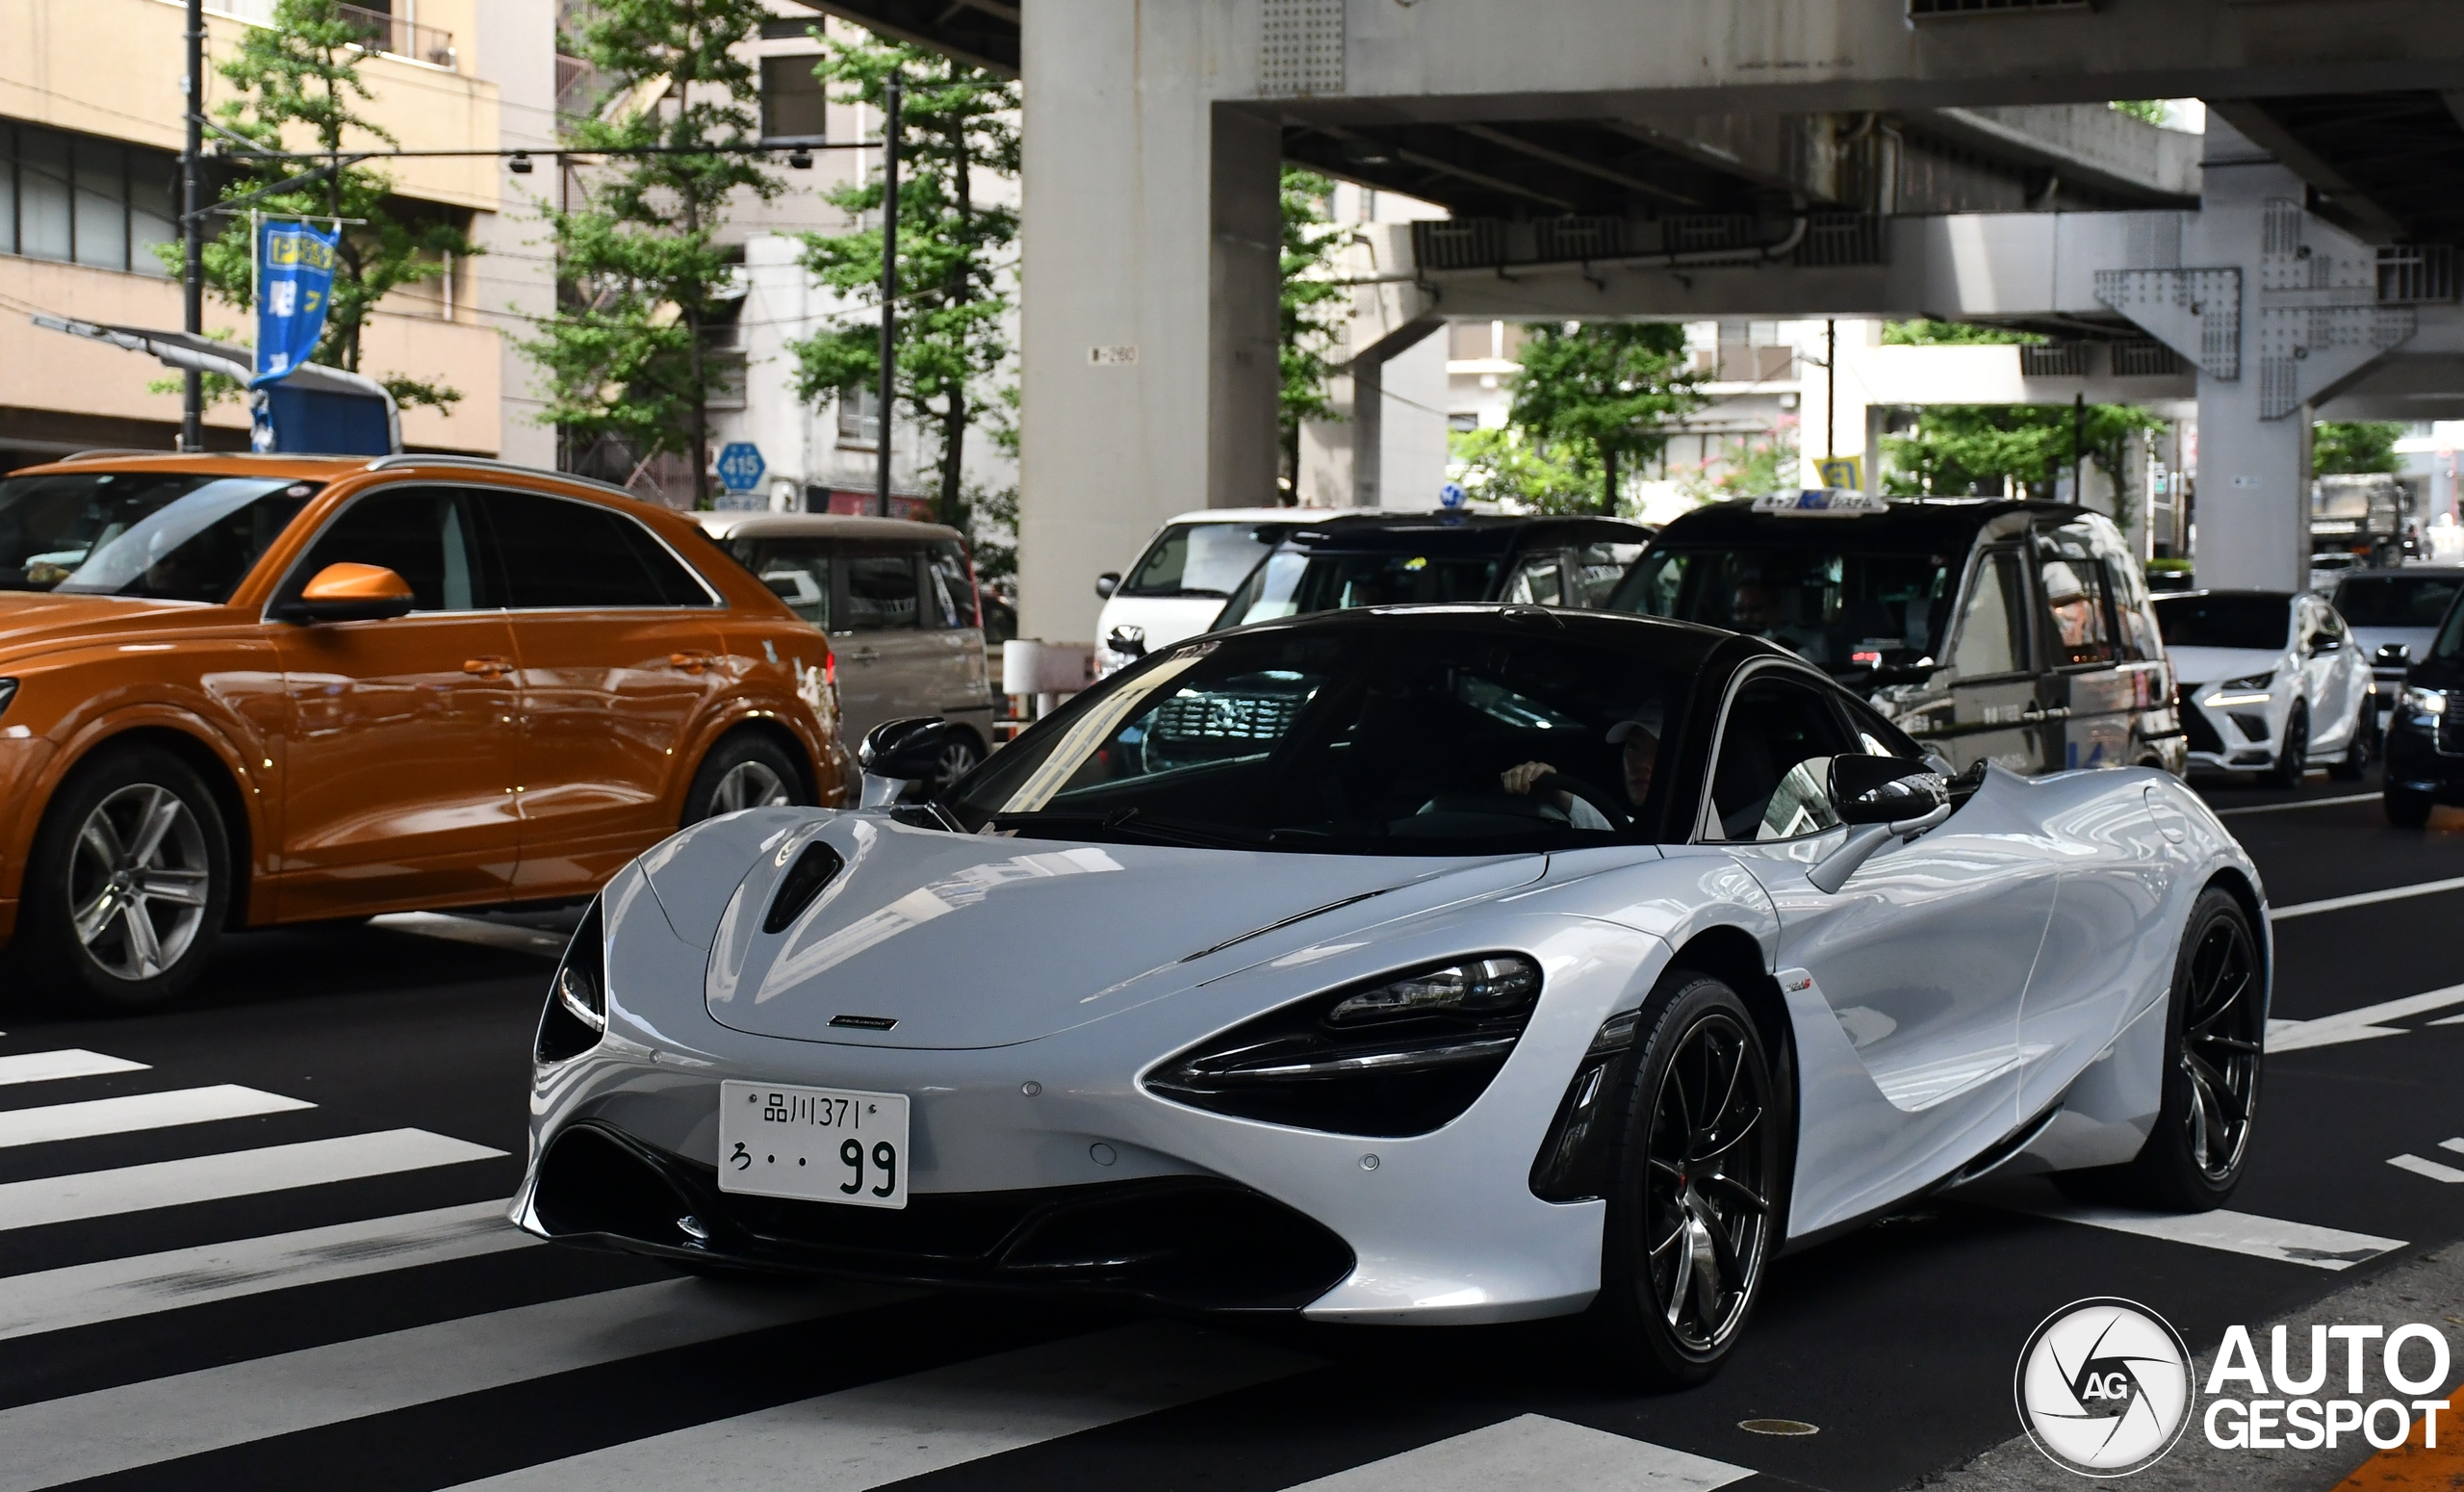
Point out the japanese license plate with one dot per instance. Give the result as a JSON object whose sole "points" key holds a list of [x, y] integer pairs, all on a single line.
{"points": [[818, 1145]]}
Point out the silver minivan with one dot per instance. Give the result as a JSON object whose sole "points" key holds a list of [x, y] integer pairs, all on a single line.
{"points": [[899, 603]]}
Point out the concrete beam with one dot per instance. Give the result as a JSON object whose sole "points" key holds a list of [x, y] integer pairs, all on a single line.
{"points": [[2250, 118]]}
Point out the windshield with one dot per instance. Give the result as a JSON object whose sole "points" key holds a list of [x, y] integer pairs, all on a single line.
{"points": [[1295, 582], [2396, 600], [1837, 610], [165, 536], [2449, 645], [1200, 559], [2249, 620], [1409, 740]]}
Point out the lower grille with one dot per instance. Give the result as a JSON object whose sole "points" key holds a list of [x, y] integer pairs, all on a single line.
{"points": [[2200, 732], [1186, 1241]]}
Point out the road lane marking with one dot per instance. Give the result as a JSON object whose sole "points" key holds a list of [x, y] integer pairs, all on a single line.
{"points": [[2448, 1020], [2457, 1145], [2306, 803], [206, 1178], [2431, 1169], [2305, 908], [471, 930], [1535, 1450], [889, 1432], [113, 1429], [2360, 1025], [82, 1295], [2234, 1232], [51, 1067], [133, 1112]]}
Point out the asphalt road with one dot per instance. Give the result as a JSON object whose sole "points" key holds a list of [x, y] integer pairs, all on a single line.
{"points": [[346, 1310]]}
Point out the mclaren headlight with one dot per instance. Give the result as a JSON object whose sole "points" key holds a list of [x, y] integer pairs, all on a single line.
{"points": [[1401, 1054], [577, 1012], [2425, 702]]}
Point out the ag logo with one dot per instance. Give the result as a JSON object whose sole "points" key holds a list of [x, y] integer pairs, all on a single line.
{"points": [[2104, 1387]]}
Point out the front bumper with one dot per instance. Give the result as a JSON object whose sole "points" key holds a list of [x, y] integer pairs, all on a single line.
{"points": [[2240, 739], [2426, 757], [1011, 1143]]}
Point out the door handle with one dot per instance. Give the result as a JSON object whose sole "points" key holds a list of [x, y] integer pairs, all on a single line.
{"points": [[2033, 714], [692, 663], [487, 667]]}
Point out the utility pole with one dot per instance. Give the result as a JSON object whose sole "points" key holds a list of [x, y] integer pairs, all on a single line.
{"points": [[1830, 388], [2078, 441], [889, 290], [192, 232]]}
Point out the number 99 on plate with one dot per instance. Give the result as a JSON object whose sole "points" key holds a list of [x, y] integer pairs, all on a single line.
{"points": [[815, 1145]]}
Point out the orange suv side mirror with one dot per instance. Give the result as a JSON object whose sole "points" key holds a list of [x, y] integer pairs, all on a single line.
{"points": [[349, 593]]}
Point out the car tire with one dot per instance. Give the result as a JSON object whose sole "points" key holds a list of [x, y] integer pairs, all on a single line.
{"points": [[1709, 1194], [2293, 759], [743, 771], [2354, 764], [128, 885], [962, 755], [2406, 808], [2215, 1027]]}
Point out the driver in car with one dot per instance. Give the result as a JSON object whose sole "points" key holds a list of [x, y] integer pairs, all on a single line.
{"points": [[1638, 733]]}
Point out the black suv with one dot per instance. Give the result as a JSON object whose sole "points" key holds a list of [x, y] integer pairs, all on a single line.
{"points": [[2015, 632], [1382, 560], [2426, 732]]}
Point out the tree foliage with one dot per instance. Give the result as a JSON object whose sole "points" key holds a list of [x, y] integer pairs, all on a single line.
{"points": [[1974, 449], [1506, 466], [297, 86], [2147, 110], [2340, 448], [1748, 466], [1938, 334], [1309, 317], [627, 353], [1612, 391], [959, 125]]}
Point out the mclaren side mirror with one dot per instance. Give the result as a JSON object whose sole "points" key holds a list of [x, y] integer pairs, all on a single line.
{"points": [[1108, 583], [1869, 790], [349, 593], [1130, 642], [898, 753], [2394, 654]]}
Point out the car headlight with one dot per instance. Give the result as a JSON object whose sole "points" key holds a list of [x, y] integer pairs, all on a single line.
{"points": [[577, 1012], [8, 692], [2250, 689], [1401, 1054], [2252, 680], [2425, 702]]}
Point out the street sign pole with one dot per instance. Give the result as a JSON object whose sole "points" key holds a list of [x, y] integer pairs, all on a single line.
{"points": [[192, 232], [889, 292]]}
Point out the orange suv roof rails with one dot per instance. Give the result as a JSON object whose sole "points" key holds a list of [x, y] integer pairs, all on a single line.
{"points": [[484, 463]]}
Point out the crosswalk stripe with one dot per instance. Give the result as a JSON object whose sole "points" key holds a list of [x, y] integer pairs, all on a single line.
{"points": [[113, 1429], [50, 1067], [2431, 1169], [1535, 1450], [56, 1122], [82, 1295], [2360, 1024], [2364, 899], [888, 1431], [205, 1178], [2233, 1232]]}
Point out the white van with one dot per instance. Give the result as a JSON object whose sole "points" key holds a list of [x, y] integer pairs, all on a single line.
{"points": [[1178, 584]]}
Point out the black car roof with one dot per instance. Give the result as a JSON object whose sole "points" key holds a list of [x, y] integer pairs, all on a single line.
{"points": [[1928, 524], [1476, 533]]}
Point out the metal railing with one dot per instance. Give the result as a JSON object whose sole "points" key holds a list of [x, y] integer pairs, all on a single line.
{"points": [[2053, 360], [2414, 273]]}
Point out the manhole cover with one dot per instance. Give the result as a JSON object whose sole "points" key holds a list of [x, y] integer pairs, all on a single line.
{"points": [[1778, 1428]]}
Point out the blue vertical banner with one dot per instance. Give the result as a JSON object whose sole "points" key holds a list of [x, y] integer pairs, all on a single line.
{"points": [[294, 281]]}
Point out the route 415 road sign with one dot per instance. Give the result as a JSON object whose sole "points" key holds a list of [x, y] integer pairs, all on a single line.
{"points": [[740, 466]]}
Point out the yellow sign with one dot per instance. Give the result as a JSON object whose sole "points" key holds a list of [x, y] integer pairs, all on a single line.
{"points": [[1846, 472]]}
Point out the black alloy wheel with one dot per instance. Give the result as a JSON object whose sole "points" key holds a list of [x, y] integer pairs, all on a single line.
{"points": [[957, 758], [2354, 764], [128, 886], [2215, 1039], [1696, 1214], [2292, 761], [743, 771]]}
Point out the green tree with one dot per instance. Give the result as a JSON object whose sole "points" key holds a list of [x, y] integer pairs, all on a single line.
{"points": [[1503, 465], [2340, 448], [1750, 466], [2147, 110], [1309, 319], [1971, 449], [958, 125], [1935, 334], [641, 272], [297, 83], [1610, 389]]}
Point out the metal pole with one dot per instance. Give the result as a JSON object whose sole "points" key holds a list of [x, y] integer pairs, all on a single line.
{"points": [[889, 290], [1830, 388], [192, 232], [2078, 439]]}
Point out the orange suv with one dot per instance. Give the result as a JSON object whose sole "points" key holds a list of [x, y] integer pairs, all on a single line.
{"points": [[241, 690]]}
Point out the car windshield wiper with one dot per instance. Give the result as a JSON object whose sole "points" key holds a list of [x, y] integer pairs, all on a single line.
{"points": [[1137, 824]]}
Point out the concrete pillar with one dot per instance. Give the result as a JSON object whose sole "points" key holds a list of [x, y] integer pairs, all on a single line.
{"points": [[1147, 331]]}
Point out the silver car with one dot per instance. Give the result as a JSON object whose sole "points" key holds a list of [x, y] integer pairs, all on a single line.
{"points": [[899, 602]]}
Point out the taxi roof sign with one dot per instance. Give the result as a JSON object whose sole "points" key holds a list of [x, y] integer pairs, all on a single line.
{"points": [[1821, 502]]}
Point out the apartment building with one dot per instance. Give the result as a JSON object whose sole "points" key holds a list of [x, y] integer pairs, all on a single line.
{"points": [[90, 127]]}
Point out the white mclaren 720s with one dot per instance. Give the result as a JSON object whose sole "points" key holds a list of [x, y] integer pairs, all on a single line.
{"points": [[1423, 964]]}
